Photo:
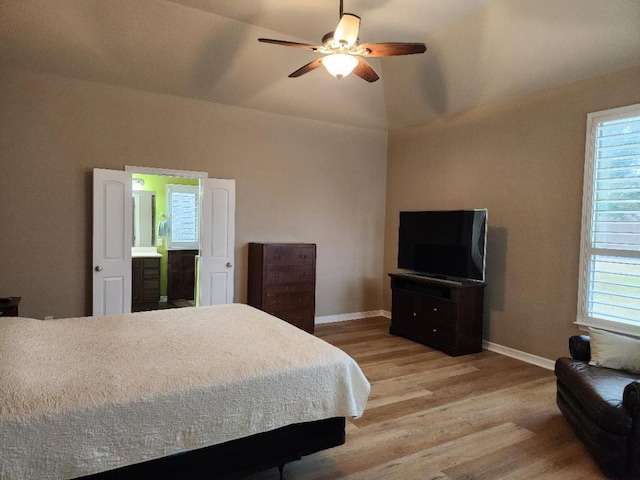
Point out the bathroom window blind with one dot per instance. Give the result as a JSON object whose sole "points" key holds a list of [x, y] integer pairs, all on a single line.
{"points": [[609, 293], [183, 205]]}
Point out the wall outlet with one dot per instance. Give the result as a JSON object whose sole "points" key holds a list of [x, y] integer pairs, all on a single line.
{"points": [[48, 317], [159, 242]]}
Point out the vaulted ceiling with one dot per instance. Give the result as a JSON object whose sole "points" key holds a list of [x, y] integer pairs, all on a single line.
{"points": [[479, 51]]}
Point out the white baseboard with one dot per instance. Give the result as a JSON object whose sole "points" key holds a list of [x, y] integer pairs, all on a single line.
{"points": [[351, 316], [518, 355]]}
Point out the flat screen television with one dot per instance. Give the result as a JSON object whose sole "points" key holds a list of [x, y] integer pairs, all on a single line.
{"points": [[444, 244]]}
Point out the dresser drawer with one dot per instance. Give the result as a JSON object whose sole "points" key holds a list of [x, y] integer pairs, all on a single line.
{"points": [[289, 255], [442, 332], [289, 274], [300, 318], [151, 274], [151, 294], [151, 263], [289, 301], [436, 310], [274, 288], [151, 284]]}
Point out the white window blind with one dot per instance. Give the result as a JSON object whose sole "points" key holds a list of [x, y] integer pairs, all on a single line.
{"points": [[609, 294], [183, 205]]}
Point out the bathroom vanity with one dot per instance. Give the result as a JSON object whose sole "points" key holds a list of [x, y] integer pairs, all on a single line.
{"points": [[145, 279]]}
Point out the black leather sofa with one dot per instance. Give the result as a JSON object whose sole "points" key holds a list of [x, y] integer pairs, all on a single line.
{"points": [[602, 406]]}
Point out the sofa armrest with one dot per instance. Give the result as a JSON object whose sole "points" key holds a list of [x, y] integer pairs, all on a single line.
{"points": [[631, 401], [580, 347], [631, 398]]}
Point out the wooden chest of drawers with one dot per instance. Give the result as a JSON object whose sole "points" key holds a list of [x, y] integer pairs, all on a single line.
{"points": [[282, 281]]}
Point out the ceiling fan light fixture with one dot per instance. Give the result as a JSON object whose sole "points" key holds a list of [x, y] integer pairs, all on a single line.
{"points": [[339, 64], [343, 52], [346, 34]]}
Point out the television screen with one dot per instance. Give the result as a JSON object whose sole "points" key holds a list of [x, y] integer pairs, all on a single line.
{"points": [[444, 243]]}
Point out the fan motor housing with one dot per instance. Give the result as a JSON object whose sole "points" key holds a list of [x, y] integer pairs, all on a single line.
{"points": [[328, 38]]}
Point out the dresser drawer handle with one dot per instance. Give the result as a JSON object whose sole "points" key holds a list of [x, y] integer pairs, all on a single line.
{"points": [[435, 330], [415, 314], [435, 309]]}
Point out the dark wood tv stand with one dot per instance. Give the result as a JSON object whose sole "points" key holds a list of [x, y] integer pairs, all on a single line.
{"points": [[443, 315]]}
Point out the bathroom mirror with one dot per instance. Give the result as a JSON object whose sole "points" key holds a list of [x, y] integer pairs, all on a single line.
{"points": [[144, 214]]}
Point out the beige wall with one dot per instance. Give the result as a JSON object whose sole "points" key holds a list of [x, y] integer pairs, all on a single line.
{"points": [[308, 181], [296, 181], [523, 160]]}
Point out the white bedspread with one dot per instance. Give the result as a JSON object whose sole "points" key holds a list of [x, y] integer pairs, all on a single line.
{"points": [[84, 395]]}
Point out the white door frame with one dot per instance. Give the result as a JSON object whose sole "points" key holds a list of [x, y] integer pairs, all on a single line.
{"points": [[166, 172]]}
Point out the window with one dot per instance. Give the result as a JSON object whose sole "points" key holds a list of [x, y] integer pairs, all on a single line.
{"points": [[609, 289], [183, 202]]}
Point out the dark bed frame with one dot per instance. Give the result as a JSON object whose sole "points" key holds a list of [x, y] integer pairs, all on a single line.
{"points": [[239, 457]]}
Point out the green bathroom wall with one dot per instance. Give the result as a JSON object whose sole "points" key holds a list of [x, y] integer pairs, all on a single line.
{"points": [[158, 184]]}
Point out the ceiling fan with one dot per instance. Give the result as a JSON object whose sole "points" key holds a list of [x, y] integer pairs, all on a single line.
{"points": [[344, 54]]}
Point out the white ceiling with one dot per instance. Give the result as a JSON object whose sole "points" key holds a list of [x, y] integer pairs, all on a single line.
{"points": [[382, 20], [479, 51]]}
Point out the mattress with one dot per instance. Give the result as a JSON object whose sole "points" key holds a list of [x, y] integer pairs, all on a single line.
{"points": [[85, 395]]}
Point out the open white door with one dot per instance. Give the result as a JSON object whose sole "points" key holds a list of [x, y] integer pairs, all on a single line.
{"points": [[112, 240], [217, 240]]}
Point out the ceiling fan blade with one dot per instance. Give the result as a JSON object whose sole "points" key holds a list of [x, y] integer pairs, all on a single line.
{"points": [[347, 31], [392, 49], [307, 68], [285, 43], [364, 70]]}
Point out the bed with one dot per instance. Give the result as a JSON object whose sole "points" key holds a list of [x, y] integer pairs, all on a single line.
{"points": [[208, 390]]}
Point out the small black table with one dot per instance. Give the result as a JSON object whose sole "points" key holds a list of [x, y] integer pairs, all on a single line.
{"points": [[9, 306]]}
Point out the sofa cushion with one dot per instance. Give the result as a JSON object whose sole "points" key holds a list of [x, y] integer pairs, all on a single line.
{"points": [[599, 390], [614, 350]]}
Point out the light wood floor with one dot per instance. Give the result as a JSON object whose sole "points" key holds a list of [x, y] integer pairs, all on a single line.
{"points": [[431, 416]]}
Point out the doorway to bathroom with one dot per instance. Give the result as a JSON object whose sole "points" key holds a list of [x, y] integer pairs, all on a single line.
{"points": [[164, 261], [162, 239]]}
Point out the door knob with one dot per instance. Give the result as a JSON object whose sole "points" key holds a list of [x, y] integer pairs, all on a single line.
{"points": [[229, 264], [98, 268]]}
